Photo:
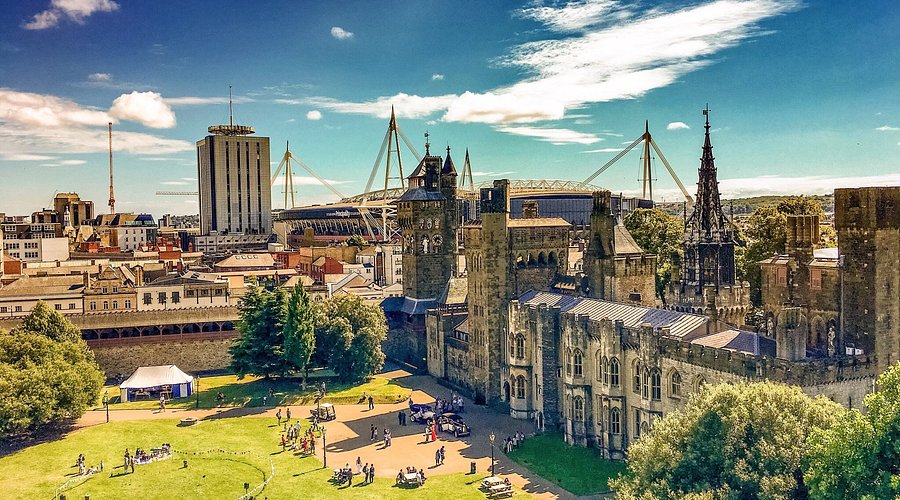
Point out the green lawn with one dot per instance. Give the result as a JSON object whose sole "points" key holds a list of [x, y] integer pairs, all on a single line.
{"points": [[581, 471], [37, 471], [250, 391]]}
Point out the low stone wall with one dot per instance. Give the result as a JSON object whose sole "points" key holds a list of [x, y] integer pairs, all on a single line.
{"points": [[192, 353]]}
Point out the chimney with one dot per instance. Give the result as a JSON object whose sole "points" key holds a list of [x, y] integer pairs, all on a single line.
{"points": [[802, 234]]}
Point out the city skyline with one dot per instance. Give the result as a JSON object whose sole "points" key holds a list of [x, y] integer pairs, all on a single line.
{"points": [[803, 96]]}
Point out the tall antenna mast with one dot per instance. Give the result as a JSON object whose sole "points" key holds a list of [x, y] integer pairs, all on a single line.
{"points": [[112, 198], [230, 109]]}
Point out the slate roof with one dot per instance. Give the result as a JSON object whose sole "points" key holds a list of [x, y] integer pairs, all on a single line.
{"points": [[455, 292], [681, 325], [421, 194], [407, 305], [739, 341], [538, 222], [43, 285], [624, 242]]}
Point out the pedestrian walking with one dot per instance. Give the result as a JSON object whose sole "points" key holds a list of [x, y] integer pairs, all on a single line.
{"points": [[400, 417], [372, 473], [373, 431], [289, 413], [278, 415], [443, 455], [283, 442], [427, 433], [437, 457], [371, 403]]}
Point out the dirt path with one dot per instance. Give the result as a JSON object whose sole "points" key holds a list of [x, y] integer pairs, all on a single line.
{"points": [[347, 437]]}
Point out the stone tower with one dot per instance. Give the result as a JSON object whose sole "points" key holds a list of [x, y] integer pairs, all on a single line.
{"points": [[427, 215], [615, 267], [708, 284], [868, 226]]}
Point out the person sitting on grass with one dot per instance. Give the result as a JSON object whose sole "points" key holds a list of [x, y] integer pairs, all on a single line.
{"points": [[400, 477]]}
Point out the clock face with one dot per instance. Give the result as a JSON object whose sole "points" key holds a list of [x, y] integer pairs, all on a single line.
{"points": [[437, 240]]}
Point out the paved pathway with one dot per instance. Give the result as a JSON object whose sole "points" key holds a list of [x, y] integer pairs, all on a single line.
{"points": [[348, 436]]}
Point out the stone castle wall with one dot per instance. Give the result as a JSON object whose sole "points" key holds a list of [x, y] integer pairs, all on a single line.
{"points": [[195, 354]]}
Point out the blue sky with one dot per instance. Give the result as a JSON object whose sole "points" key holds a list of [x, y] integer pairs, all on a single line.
{"points": [[805, 96]]}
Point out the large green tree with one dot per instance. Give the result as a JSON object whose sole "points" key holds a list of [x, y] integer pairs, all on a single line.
{"points": [[743, 441], [766, 233], [659, 233], [259, 350], [859, 458], [299, 329], [47, 373], [349, 334]]}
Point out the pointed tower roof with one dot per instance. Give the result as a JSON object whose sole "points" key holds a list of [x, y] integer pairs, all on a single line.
{"points": [[449, 168]]}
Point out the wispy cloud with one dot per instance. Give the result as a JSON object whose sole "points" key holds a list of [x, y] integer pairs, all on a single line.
{"points": [[437, 77], [174, 183], [72, 10], [888, 128], [677, 126], [632, 50], [314, 115], [107, 81], [100, 77], [341, 33], [492, 174], [24, 157], [553, 135]]}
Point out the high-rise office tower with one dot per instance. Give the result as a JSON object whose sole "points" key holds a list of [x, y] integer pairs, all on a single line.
{"points": [[235, 191]]}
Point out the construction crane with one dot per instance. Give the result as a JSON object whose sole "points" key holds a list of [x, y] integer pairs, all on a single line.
{"points": [[112, 198], [647, 181]]}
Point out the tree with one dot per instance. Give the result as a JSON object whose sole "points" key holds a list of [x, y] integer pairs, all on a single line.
{"points": [[743, 441], [299, 330], [859, 458], [46, 373], [349, 334], [767, 235], [259, 350], [658, 233], [356, 241]]}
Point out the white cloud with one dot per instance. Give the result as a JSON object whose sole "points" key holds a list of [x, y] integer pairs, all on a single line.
{"points": [[632, 51], [147, 108], [314, 115], [553, 135], [72, 162], [174, 183], [100, 77], [492, 174], [38, 110], [406, 106], [73, 10], [24, 157], [189, 179], [340, 33], [437, 77], [888, 128], [677, 126]]}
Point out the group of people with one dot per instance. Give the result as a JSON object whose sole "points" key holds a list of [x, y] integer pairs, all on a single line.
{"points": [[368, 399], [454, 405], [345, 474], [141, 457], [512, 442], [288, 415], [83, 469], [419, 476], [386, 435], [439, 456], [292, 437]]}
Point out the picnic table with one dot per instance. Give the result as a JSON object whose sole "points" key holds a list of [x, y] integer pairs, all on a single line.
{"points": [[501, 490], [491, 481]]}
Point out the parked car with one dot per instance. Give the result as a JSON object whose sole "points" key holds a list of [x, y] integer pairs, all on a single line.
{"points": [[420, 413], [453, 424]]}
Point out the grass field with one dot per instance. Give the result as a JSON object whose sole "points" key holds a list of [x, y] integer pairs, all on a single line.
{"points": [[581, 471], [37, 471], [250, 391]]}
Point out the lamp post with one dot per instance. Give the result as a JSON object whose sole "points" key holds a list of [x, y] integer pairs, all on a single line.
{"points": [[106, 404], [492, 453], [324, 450]]}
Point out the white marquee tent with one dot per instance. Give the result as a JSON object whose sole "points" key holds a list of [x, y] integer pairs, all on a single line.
{"points": [[158, 379]]}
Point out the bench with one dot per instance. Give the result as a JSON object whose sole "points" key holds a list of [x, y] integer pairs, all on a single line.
{"points": [[500, 490]]}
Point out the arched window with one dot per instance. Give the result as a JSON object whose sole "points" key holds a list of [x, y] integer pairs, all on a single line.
{"points": [[645, 393], [512, 348], [636, 378], [603, 370], [614, 372], [578, 362], [615, 421], [568, 362], [520, 346], [699, 382], [655, 384], [675, 385], [520, 387], [578, 409]]}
